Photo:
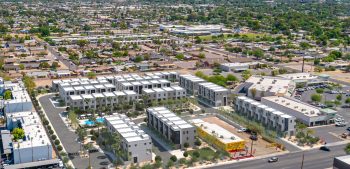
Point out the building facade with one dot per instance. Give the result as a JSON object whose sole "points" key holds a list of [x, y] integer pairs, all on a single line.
{"points": [[305, 113], [170, 126], [212, 94], [282, 123], [136, 144]]}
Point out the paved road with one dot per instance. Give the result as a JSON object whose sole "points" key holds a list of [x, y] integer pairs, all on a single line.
{"points": [[58, 56], [313, 159], [68, 138]]}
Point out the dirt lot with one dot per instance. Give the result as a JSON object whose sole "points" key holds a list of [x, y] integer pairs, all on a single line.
{"points": [[261, 147]]}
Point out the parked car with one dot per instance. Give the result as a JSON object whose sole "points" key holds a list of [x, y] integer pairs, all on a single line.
{"points": [[272, 159], [340, 124], [242, 130], [345, 106], [348, 129], [324, 148], [253, 137]]}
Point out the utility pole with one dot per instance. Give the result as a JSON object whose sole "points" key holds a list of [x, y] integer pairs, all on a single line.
{"points": [[302, 162], [302, 68]]}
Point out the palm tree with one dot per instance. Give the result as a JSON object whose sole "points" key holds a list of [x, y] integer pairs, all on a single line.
{"points": [[86, 101]]}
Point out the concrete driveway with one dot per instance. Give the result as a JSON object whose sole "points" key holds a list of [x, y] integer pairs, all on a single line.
{"points": [[68, 138]]}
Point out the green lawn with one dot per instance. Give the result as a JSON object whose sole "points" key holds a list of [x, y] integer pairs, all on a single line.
{"points": [[205, 153]]}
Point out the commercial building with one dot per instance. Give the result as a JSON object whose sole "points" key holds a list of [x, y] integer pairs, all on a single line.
{"points": [[190, 83], [306, 79], [212, 94], [219, 136], [35, 146], [341, 162], [171, 126], [136, 144], [305, 113], [279, 121], [20, 100], [238, 67], [260, 86]]}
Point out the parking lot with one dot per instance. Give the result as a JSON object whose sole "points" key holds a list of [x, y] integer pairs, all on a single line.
{"points": [[329, 133]]}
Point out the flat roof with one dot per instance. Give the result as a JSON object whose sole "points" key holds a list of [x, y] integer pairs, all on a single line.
{"points": [[169, 118], [271, 84], [297, 106], [129, 131], [220, 133]]}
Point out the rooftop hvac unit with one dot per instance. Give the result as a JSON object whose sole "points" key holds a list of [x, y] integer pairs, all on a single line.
{"points": [[221, 136], [295, 107], [287, 104], [233, 138]]}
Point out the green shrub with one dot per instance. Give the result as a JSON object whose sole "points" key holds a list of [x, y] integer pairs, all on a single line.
{"points": [[59, 148], [173, 158], [57, 142]]}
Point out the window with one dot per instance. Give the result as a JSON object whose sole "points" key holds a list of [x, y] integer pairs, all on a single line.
{"points": [[145, 144], [135, 145], [129, 145]]}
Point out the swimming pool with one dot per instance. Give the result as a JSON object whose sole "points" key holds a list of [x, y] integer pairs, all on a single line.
{"points": [[91, 123]]}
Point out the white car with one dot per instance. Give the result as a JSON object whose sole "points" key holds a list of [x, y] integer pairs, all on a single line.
{"points": [[242, 130]]}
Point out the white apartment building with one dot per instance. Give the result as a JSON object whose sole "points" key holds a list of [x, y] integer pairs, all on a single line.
{"points": [[282, 123], [190, 83], [305, 113], [306, 78], [158, 94], [261, 86], [171, 76], [213, 94], [36, 145], [136, 144], [65, 92], [20, 100], [171, 126], [97, 100]]}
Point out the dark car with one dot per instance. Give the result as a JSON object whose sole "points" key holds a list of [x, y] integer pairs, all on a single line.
{"points": [[348, 129], [324, 148], [253, 137], [272, 159]]}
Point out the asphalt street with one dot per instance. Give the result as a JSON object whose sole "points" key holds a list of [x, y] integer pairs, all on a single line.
{"points": [[68, 138], [313, 159]]}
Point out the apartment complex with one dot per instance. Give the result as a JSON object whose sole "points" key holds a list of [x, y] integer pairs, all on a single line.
{"points": [[136, 144], [108, 91], [190, 83], [171, 126], [212, 94], [281, 121], [261, 86], [305, 113], [164, 93], [219, 136], [35, 146], [20, 100]]}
